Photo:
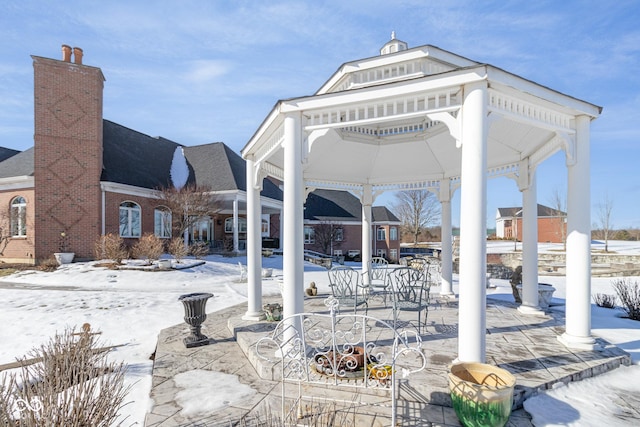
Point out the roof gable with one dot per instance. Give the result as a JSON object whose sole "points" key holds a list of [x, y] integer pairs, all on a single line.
{"points": [[403, 65]]}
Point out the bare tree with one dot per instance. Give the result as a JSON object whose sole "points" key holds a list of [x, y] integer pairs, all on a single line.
{"points": [[5, 231], [326, 235], [189, 205], [559, 203], [604, 209], [417, 209]]}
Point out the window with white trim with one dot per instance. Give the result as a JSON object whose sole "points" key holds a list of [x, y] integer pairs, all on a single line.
{"points": [[242, 225], [162, 222], [381, 233], [19, 217], [393, 233], [309, 235], [339, 234], [130, 219], [394, 254]]}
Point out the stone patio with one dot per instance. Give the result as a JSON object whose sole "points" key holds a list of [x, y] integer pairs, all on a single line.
{"points": [[525, 345]]}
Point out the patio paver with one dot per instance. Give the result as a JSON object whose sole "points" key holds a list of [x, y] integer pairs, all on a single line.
{"points": [[525, 345]]}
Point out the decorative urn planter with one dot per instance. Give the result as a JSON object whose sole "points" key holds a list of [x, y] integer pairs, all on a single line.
{"points": [[481, 394], [64, 257], [545, 292], [194, 316]]}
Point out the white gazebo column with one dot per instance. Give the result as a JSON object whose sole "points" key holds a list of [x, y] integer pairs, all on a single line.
{"points": [[473, 228], [530, 304], [254, 246], [280, 232], [578, 310], [446, 256], [236, 226], [367, 223], [293, 236]]}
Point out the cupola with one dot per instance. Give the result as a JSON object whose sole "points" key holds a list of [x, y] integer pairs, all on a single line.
{"points": [[394, 45]]}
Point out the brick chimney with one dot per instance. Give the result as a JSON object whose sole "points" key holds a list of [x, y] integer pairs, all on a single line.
{"points": [[77, 55], [67, 155], [66, 53]]}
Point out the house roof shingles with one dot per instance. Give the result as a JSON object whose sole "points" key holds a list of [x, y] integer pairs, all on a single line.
{"points": [[19, 164], [340, 206]]}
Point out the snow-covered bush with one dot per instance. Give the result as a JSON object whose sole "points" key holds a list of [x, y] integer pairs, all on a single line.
{"points": [[605, 300], [629, 296]]}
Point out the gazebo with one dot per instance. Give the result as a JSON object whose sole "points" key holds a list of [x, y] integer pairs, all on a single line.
{"points": [[425, 118]]}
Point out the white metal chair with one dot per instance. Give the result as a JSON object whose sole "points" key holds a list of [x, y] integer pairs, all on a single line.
{"points": [[410, 292], [378, 278], [347, 288]]}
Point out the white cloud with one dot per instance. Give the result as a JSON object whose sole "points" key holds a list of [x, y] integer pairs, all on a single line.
{"points": [[205, 71]]}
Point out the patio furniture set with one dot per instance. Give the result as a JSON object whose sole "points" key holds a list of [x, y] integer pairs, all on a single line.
{"points": [[406, 288]]}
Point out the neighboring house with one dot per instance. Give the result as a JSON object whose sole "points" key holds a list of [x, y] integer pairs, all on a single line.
{"points": [[86, 176], [333, 225], [552, 224]]}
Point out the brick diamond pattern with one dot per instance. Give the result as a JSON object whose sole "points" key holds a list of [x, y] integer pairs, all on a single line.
{"points": [[67, 212], [67, 168], [67, 111]]}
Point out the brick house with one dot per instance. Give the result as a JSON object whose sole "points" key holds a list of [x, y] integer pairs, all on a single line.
{"points": [[552, 224], [333, 226], [87, 176]]}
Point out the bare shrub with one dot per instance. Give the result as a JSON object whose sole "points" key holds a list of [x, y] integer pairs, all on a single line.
{"points": [[149, 248], [605, 300], [199, 250], [49, 264], [177, 248], [110, 246], [629, 296], [66, 382]]}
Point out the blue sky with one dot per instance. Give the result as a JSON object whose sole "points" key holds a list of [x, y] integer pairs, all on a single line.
{"points": [[205, 71]]}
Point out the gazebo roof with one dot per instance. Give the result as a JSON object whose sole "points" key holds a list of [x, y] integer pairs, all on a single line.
{"points": [[392, 121]]}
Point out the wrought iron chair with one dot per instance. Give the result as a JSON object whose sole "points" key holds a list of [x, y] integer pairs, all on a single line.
{"points": [[410, 292], [378, 278], [347, 288]]}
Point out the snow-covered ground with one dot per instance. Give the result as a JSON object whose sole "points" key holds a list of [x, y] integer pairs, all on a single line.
{"points": [[131, 307]]}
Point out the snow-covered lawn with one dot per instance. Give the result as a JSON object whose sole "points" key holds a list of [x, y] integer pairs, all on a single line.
{"points": [[131, 307]]}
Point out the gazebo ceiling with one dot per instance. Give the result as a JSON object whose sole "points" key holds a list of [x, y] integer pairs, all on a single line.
{"points": [[404, 130]]}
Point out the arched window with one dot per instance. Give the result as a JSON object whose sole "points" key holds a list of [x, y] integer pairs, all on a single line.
{"points": [[393, 233], [130, 224], [19, 217], [162, 222]]}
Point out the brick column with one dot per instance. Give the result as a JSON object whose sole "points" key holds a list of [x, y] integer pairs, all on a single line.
{"points": [[67, 155]]}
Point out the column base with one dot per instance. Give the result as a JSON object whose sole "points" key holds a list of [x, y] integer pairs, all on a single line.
{"points": [[448, 294], [530, 310], [580, 343], [254, 316]]}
